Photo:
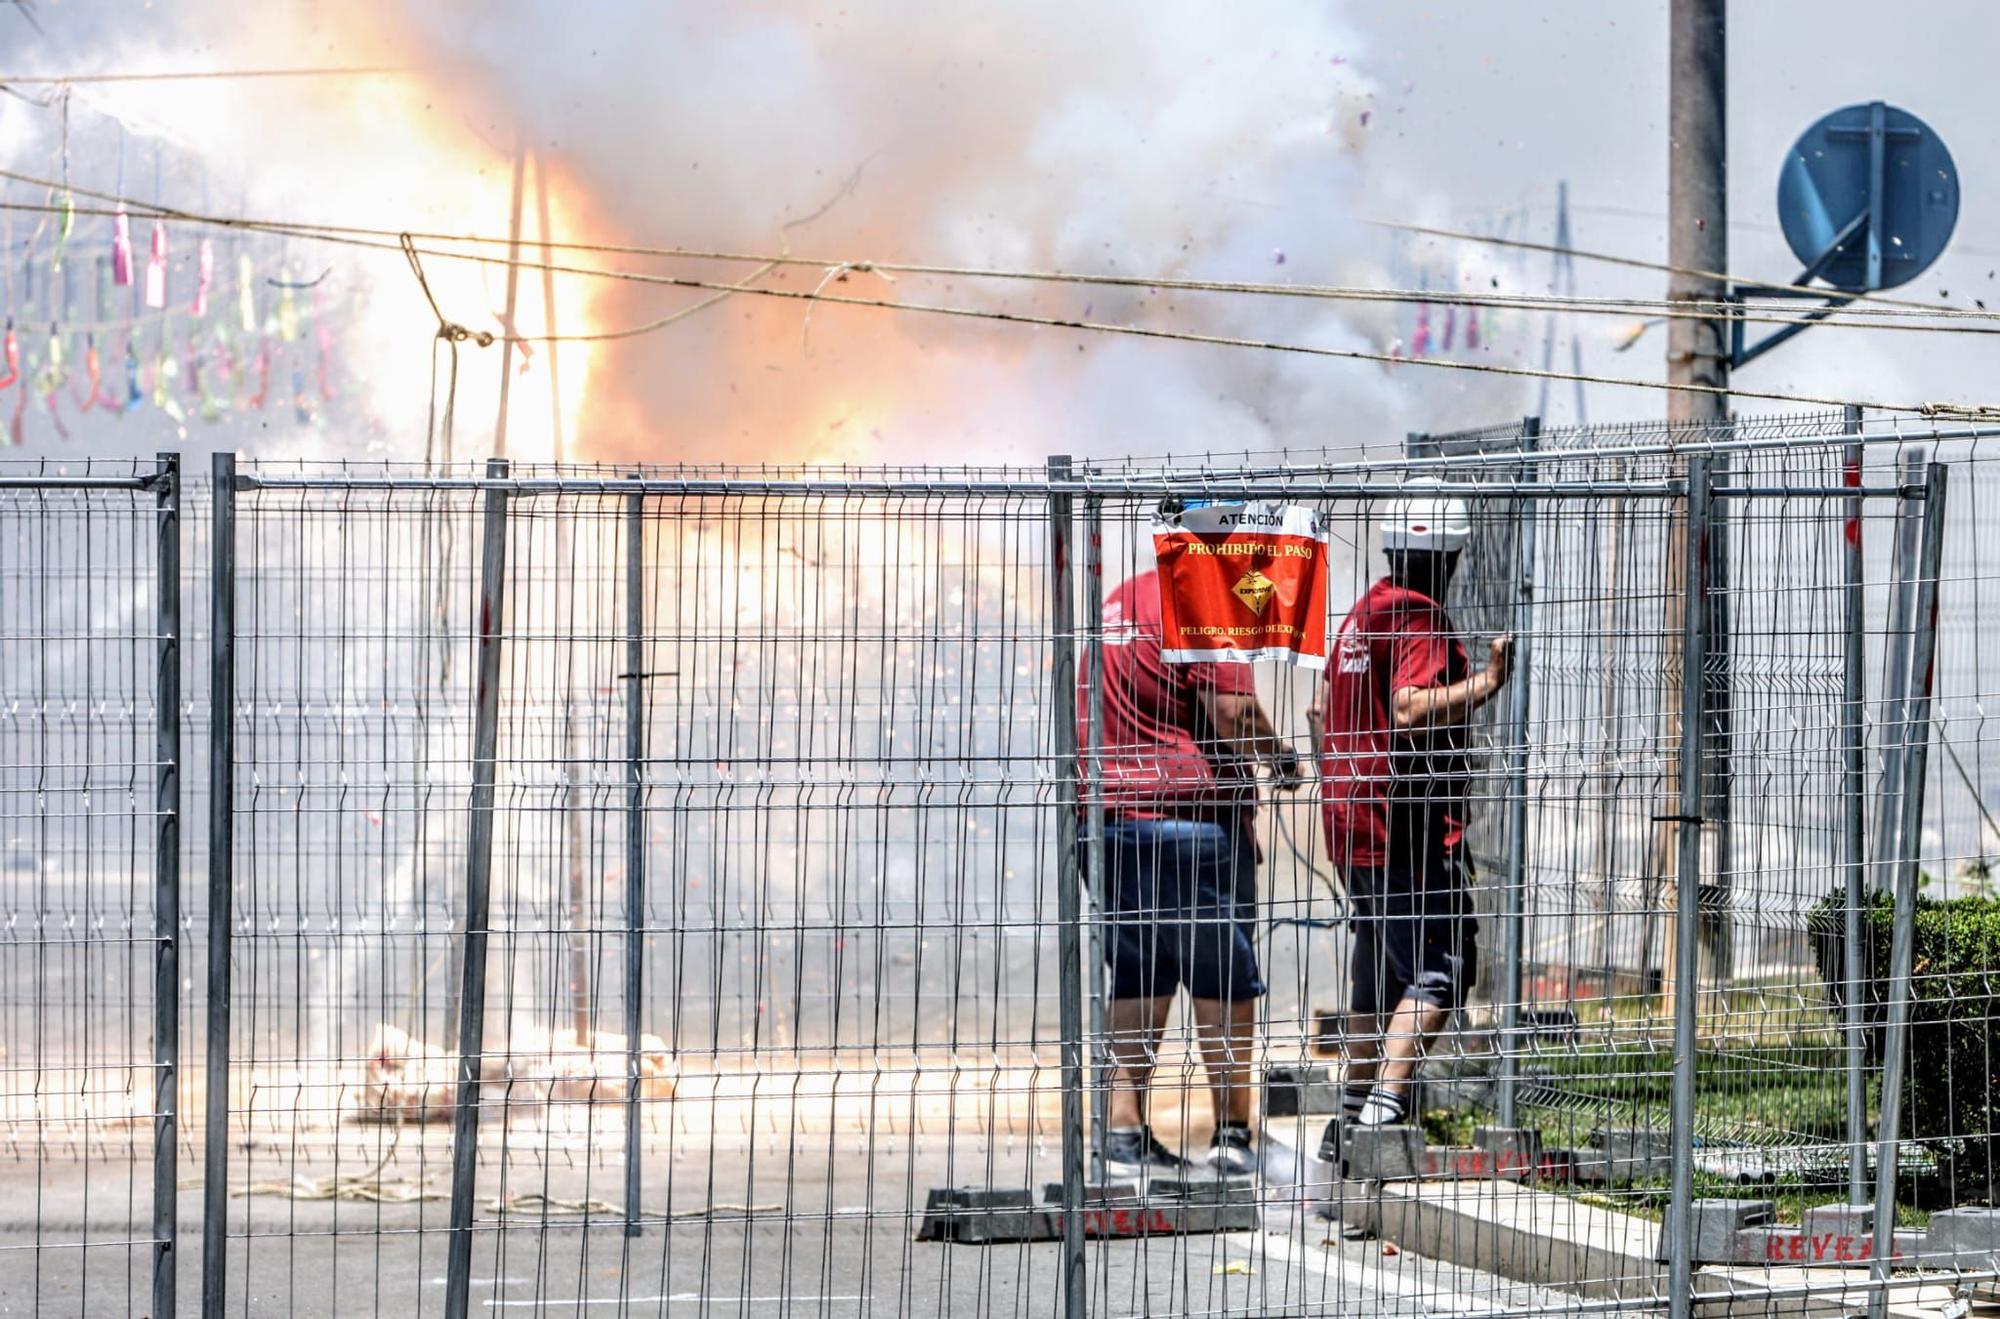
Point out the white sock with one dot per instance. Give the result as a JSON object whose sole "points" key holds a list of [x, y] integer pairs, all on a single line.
{"points": [[1383, 1109]]}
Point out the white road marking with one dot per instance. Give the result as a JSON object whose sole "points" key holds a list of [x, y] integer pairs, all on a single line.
{"points": [[1377, 1280], [678, 1298]]}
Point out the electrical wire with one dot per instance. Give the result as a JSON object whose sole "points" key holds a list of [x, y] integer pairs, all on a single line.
{"points": [[406, 244], [196, 75], [1639, 263], [1850, 317]]}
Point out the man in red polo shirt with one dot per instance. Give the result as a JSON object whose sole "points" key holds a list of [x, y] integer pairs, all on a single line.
{"points": [[1180, 746], [1389, 722]]}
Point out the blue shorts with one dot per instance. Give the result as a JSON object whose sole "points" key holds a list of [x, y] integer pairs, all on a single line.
{"points": [[1414, 933], [1182, 906]]}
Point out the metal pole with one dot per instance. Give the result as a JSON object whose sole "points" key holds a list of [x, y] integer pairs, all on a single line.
{"points": [[1896, 665], [1515, 897], [1853, 804], [1717, 928], [1093, 612], [167, 888], [1069, 885], [576, 898], [221, 881], [635, 834], [1698, 203], [1915, 736], [1697, 349], [1687, 914], [478, 879]]}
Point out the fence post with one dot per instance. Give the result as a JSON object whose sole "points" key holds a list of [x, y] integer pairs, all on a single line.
{"points": [[1687, 896], [1517, 799], [478, 878], [1093, 607], [1069, 898], [167, 886], [1853, 810], [1914, 735], [221, 881], [1896, 666], [635, 833]]}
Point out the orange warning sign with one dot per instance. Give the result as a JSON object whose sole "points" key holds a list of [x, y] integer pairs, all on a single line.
{"points": [[1242, 582]]}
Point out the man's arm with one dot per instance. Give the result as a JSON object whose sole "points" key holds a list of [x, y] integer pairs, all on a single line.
{"points": [[1245, 731], [1453, 703]]}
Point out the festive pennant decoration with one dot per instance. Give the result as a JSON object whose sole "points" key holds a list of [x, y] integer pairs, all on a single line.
{"points": [[65, 225], [133, 397], [246, 306], [156, 268], [62, 431], [52, 393], [83, 387], [262, 367], [91, 390], [323, 338], [202, 367], [121, 247], [288, 310], [204, 267]]}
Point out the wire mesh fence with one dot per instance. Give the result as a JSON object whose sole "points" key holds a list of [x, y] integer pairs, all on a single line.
{"points": [[89, 757], [657, 891]]}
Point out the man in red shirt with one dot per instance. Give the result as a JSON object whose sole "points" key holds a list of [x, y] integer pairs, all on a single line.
{"points": [[1180, 890], [1390, 726]]}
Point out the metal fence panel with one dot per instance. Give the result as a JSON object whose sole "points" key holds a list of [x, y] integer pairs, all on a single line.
{"points": [[89, 775], [786, 991], [839, 786]]}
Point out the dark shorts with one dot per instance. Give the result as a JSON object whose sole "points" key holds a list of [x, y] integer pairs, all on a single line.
{"points": [[1414, 933], [1182, 898]]}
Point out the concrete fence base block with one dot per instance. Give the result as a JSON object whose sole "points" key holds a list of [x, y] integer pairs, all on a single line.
{"points": [[1295, 1091], [1969, 1238], [983, 1215], [1717, 1223], [1520, 1145], [1852, 1220], [1620, 1154], [1385, 1154]]}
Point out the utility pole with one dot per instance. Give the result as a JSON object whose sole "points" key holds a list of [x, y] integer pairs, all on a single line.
{"points": [[1562, 282], [513, 289], [1697, 348], [582, 1018]]}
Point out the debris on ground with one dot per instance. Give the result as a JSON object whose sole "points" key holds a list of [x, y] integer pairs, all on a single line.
{"points": [[408, 1080]]}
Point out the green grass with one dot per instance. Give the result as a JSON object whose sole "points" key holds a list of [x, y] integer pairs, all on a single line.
{"points": [[1745, 1091], [1650, 1201]]}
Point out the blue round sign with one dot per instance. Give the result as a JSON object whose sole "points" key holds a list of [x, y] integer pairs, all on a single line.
{"points": [[1868, 197]]}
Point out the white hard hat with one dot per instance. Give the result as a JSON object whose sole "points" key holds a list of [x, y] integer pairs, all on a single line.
{"points": [[1427, 522]]}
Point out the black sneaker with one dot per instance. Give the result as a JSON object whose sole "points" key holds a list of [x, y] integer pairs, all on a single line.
{"points": [[1230, 1152], [1136, 1153], [1330, 1140]]}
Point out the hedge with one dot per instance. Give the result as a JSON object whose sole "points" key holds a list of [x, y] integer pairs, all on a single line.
{"points": [[1951, 1096]]}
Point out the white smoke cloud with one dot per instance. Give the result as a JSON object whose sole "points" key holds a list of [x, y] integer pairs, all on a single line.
{"points": [[1170, 139]]}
